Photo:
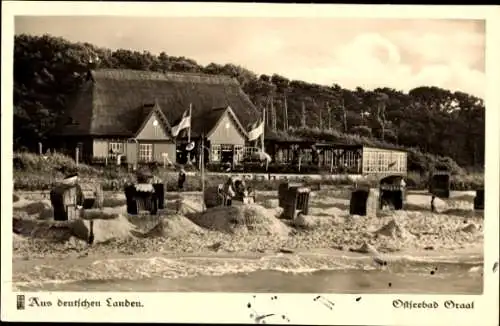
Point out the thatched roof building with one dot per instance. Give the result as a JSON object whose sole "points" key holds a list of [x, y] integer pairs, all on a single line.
{"points": [[116, 102]]}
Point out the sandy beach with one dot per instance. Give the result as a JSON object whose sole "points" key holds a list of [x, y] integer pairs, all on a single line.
{"points": [[190, 242]]}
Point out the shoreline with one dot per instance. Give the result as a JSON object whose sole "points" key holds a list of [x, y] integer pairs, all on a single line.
{"points": [[322, 256], [86, 254], [474, 250]]}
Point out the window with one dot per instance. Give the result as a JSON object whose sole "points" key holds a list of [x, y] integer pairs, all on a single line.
{"points": [[250, 150], [402, 163], [371, 161], [215, 153], [351, 159], [328, 156], [307, 155], [145, 152], [238, 153], [114, 149], [226, 147], [280, 156]]}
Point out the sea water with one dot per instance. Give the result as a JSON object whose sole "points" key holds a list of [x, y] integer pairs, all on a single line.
{"points": [[273, 274]]}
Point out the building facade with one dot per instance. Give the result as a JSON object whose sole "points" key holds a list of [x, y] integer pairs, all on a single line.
{"points": [[129, 114], [379, 161]]}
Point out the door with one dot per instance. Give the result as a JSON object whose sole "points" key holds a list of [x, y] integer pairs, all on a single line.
{"points": [[227, 156], [131, 152]]}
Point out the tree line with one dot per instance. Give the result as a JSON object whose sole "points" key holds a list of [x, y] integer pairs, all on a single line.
{"points": [[441, 123]]}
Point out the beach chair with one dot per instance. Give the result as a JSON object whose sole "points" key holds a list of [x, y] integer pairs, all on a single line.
{"points": [[214, 196], [92, 195], [66, 200], [159, 189], [296, 202], [440, 183], [479, 200], [141, 198], [364, 202], [283, 190], [392, 192]]}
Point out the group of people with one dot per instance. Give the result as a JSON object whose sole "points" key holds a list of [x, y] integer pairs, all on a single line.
{"points": [[228, 191], [234, 188]]}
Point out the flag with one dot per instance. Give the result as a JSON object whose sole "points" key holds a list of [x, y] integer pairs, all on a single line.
{"points": [[256, 131], [393, 164], [183, 124], [263, 156]]}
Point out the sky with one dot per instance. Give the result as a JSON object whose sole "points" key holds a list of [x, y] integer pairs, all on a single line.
{"points": [[369, 53]]}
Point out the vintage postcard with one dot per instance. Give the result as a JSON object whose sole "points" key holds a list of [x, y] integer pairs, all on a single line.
{"points": [[250, 163]]}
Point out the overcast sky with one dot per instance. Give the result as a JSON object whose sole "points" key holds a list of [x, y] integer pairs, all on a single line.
{"points": [[369, 53]]}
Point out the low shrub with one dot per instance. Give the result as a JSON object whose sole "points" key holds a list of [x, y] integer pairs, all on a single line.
{"points": [[29, 181], [49, 163], [33, 172], [34, 181]]}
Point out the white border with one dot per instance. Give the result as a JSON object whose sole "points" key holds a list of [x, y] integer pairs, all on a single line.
{"points": [[231, 308]]}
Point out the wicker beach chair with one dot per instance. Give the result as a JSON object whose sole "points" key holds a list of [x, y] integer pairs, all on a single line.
{"points": [[364, 202], [295, 201], [141, 198], [66, 200]]}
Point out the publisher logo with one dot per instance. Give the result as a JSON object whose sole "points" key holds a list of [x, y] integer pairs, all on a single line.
{"points": [[20, 302]]}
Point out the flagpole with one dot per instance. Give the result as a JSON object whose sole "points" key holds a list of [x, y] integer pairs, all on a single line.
{"points": [[263, 129], [189, 134], [189, 131], [202, 161]]}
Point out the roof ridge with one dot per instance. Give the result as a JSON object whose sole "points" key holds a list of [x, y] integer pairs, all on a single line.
{"points": [[131, 74]]}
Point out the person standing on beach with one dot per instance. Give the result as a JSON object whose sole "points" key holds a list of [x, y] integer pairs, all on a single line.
{"points": [[182, 179], [229, 192], [433, 208]]}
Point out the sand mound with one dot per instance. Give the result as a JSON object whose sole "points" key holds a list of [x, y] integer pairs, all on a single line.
{"points": [[49, 230], [46, 214], [393, 230], [459, 204], [315, 222], [461, 212], [62, 231], [102, 214], [470, 228], [113, 201], [189, 206], [103, 229], [276, 212], [251, 218], [423, 202], [271, 203], [31, 207], [331, 211], [366, 248], [174, 226], [17, 238]]}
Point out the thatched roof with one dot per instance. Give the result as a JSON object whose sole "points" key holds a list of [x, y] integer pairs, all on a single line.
{"points": [[112, 101]]}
